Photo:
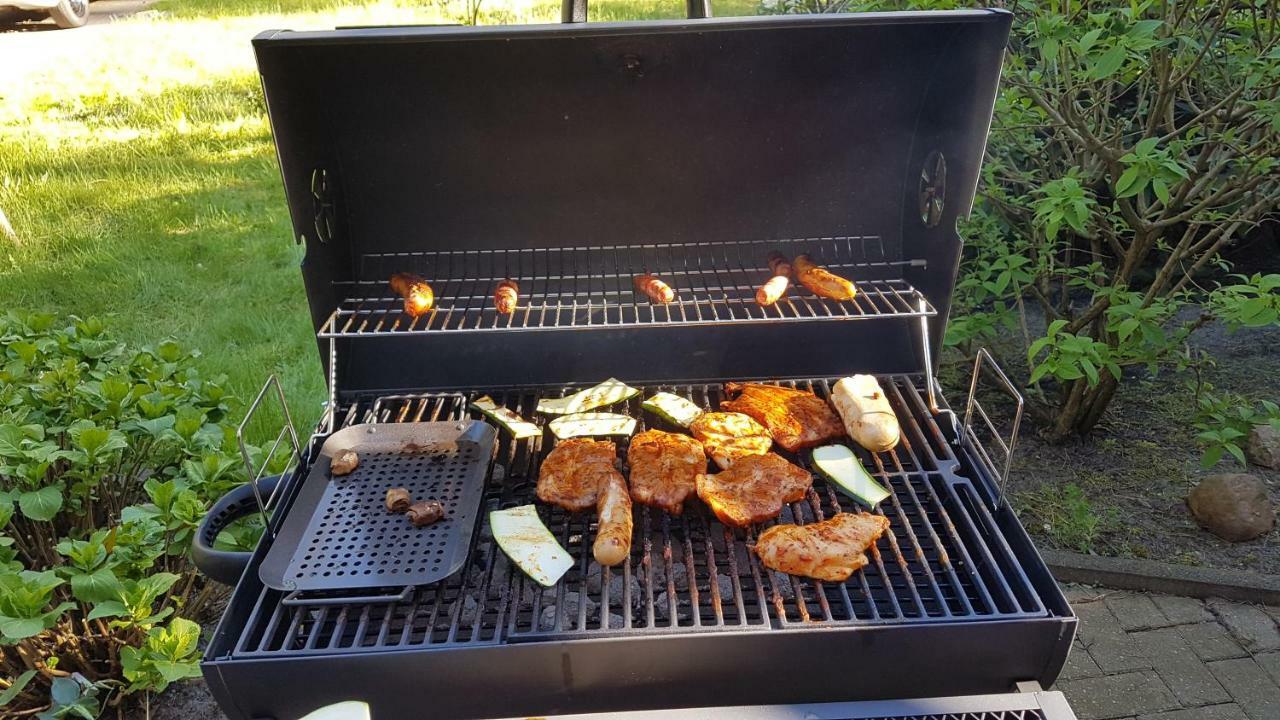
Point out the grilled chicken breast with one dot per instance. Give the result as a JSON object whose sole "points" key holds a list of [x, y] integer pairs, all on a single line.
{"points": [[613, 534], [575, 471], [727, 436], [664, 467], [753, 489], [829, 550], [796, 419]]}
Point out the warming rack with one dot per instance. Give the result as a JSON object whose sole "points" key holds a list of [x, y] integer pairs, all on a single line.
{"points": [[591, 287]]}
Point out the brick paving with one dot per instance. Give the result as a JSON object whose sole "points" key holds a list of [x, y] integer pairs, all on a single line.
{"points": [[1140, 656]]}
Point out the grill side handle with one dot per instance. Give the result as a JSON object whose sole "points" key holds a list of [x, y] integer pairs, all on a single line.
{"points": [[575, 11], [257, 472], [973, 408]]}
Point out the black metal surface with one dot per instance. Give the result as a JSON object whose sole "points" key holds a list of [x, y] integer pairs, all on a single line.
{"points": [[339, 535], [714, 130], [944, 559]]}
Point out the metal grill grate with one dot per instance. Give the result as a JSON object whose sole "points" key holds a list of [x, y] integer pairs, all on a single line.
{"points": [[943, 560], [589, 287]]}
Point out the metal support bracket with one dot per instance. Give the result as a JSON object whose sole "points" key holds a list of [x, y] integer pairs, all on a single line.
{"points": [[331, 409], [967, 437], [929, 382], [256, 473]]}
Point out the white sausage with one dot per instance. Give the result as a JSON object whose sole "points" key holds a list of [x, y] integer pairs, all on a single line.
{"points": [[866, 412], [613, 535]]}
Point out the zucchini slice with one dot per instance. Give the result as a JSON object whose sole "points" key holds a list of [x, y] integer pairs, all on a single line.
{"points": [[349, 710], [592, 424], [672, 408], [606, 393], [508, 419], [530, 545], [838, 464]]}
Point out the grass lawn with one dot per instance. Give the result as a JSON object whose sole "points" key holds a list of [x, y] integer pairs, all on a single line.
{"points": [[137, 169]]}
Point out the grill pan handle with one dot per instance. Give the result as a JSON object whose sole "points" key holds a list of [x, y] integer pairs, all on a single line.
{"points": [[575, 11], [967, 435], [297, 598], [226, 566]]}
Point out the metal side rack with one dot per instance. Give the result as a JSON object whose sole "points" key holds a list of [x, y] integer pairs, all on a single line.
{"points": [[592, 287]]}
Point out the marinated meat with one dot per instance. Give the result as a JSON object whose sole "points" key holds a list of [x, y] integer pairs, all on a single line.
{"points": [[424, 513], [575, 471], [613, 534], [830, 550], [753, 489], [821, 281], [664, 467], [417, 293], [796, 419], [727, 436], [398, 500], [655, 289]]}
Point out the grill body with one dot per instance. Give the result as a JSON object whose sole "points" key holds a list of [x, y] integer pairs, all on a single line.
{"points": [[570, 159]]}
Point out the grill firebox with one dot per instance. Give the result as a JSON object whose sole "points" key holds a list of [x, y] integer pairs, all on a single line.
{"points": [[944, 559]]}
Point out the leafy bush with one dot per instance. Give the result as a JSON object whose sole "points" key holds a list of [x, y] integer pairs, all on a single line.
{"points": [[1132, 143], [109, 457], [1223, 422]]}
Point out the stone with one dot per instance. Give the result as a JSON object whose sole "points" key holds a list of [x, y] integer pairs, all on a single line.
{"points": [[1182, 610], [1118, 696], [1210, 641], [1136, 612], [1263, 447], [616, 621], [1226, 711], [568, 611], [1107, 642], [1079, 664], [1271, 663], [1184, 673], [1254, 628], [1250, 687], [467, 613], [1233, 506]]}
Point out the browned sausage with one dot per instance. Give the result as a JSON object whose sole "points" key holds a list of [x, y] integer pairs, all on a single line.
{"points": [[823, 282], [418, 295], [773, 290], [657, 290], [613, 534], [424, 513], [506, 296], [398, 500]]}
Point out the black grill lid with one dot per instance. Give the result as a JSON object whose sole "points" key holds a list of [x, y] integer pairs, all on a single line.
{"points": [[718, 130]]}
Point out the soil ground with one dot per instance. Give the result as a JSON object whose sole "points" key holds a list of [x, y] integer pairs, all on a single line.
{"points": [[1135, 470]]}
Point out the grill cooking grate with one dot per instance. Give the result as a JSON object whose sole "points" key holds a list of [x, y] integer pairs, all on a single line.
{"points": [[588, 287], [943, 559]]}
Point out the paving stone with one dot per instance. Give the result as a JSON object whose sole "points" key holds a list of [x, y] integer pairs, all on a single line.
{"points": [[1079, 664], [1111, 648], [1136, 612], [1271, 663], [1229, 711], [1182, 610], [1250, 687], [1118, 696], [1081, 593], [1253, 627], [1180, 668], [1211, 641]]}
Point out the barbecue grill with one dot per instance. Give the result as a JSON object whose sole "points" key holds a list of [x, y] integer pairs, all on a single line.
{"points": [[571, 158]]}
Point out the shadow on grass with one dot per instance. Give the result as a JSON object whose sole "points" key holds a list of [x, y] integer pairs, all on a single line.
{"points": [[175, 227]]}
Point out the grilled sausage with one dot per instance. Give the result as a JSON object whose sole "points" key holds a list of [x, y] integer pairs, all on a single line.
{"points": [[773, 290], [398, 500], [822, 282], [418, 295], [657, 290], [506, 296], [613, 534], [424, 513], [344, 462]]}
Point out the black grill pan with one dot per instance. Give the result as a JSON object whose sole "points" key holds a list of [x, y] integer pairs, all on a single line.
{"points": [[339, 535]]}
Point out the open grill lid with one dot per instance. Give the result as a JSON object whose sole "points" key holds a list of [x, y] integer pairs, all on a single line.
{"points": [[440, 139]]}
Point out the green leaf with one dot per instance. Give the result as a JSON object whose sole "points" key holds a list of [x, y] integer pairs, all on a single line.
{"points": [[1211, 456], [1130, 183], [1087, 40], [14, 629], [109, 608], [1108, 63], [98, 586], [11, 441], [64, 691], [1236, 452], [19, 684], [1161, 189], [1090, 370], [41, 505]]}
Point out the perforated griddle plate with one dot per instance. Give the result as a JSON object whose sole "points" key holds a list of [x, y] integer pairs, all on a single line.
{"points": [[339, 535]]}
